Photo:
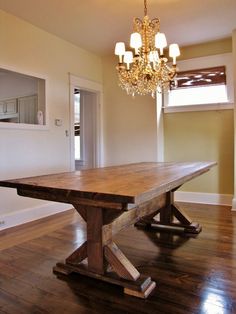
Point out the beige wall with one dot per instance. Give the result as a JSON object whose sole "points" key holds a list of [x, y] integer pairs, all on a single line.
{"points": [[129, 123], [206, 49], [204, 135], [30, 152]]}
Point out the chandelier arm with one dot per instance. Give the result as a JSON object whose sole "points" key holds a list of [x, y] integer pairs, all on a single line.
{"points": [[155, 24], [138, 24]]}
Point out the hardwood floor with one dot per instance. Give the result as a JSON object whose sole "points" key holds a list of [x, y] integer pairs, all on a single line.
{"points": [[193, 274]]}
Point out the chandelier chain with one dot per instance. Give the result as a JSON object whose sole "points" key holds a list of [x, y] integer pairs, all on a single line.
{"points": [[145, 7]]}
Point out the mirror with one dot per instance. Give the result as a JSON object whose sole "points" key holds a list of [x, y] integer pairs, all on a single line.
{"points": [[22, 98]]}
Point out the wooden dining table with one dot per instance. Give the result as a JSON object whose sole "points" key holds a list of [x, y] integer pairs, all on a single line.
{"points": [[110, 199]]}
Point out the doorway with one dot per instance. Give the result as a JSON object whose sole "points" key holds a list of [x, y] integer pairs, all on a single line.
{"points": [[85, 126], [85, 107]]}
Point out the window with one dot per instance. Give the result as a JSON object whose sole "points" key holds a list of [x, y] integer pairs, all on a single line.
{"points": [[202, 88]]}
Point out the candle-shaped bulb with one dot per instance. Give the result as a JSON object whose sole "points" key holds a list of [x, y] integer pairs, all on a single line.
{"points": [[174, 52], [160, 42], [128, 58], [120, 50]]}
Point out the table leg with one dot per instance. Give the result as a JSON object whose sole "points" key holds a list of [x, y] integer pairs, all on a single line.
{"points": [[94, 256], [95, 240], [170, 217]]}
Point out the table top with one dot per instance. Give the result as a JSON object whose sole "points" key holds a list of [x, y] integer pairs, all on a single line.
{"points": [[130, 183]]}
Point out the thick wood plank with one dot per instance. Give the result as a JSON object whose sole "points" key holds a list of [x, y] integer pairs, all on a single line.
{"points": [[65, 197], [81, 210], [139, 286], [132, 183], [78, 255], [120, 263], [125, 219], [166, 214], [181, 215], [141, 294], [95, 240]]}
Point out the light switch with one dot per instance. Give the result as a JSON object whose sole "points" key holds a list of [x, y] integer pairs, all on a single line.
{"points": [[58, 122]]}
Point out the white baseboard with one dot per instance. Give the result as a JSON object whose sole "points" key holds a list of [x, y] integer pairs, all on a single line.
{"points": [[31, 214], [234, 204], [204, 198]]}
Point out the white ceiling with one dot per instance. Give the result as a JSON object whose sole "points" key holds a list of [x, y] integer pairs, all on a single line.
{"points": [[97, 25]]}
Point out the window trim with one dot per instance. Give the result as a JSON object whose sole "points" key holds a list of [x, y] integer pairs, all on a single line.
{"points": [[200, 107]]}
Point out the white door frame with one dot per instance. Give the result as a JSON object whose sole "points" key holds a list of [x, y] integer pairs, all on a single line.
{"points": [[87, 85]]}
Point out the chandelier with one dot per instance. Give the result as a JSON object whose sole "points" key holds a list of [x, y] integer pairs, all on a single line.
{"points": [[146, 70]]}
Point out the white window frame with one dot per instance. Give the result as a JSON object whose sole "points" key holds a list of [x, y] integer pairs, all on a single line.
{"points": [[206, 62]]}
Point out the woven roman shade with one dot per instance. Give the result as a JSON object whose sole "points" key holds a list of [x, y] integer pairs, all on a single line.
{"points": [[201, 77]]}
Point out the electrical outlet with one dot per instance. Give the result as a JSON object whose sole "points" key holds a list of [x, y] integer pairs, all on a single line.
{"points": [[2, 222]]}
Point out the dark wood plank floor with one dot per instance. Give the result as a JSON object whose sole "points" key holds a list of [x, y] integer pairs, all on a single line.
{"points": [[193, 275]]}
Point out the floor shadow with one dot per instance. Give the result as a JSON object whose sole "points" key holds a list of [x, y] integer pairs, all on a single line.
{"points": [[171, 239], [101, 297]]}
